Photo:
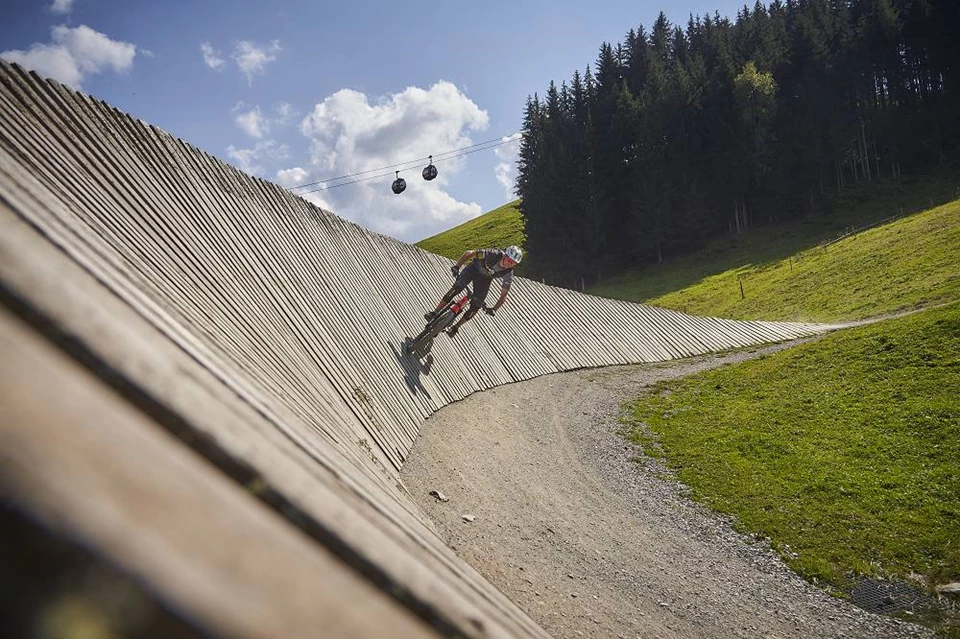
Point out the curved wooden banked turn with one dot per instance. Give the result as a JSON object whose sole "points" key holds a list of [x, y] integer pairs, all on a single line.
{"points": [[203, 378]]}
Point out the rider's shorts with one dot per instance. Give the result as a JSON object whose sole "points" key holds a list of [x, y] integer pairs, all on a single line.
{"points": [[481, 283]]}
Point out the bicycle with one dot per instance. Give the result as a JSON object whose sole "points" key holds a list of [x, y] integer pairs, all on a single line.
{"points": [[422, 343]]}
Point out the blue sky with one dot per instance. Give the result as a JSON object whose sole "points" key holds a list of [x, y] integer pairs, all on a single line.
{"points": [[297, 91]]}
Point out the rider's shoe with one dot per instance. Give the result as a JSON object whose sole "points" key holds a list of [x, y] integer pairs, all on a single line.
{"points": [[452, 332], [430, 316]]}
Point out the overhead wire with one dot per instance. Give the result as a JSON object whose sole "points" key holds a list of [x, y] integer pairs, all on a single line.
{"points": [[437, 158], [327, 187], [498, 140]]}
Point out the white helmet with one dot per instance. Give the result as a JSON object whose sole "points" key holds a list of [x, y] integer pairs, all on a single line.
{"points": [[514, 253]]}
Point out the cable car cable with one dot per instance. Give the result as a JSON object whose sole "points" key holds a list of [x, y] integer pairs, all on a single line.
{"points": [[499, 141], [387, 174]]}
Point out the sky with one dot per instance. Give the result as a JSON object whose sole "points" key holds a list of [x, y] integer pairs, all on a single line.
{"points": [[297, 92]]}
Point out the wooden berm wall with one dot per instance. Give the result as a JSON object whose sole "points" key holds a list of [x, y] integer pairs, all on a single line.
{"points": [[202, 379]]}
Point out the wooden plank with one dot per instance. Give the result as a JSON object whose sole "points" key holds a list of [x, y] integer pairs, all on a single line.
{"points": [[374, 523], [93, 468]]}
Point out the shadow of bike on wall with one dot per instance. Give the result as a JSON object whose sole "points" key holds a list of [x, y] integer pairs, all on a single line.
{"points": [[413, 368]]}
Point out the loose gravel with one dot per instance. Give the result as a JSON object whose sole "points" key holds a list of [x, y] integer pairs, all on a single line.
{"points": [[591, 543]]}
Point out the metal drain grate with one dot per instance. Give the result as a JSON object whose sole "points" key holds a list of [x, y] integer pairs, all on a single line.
{"points": [[889, 597]]}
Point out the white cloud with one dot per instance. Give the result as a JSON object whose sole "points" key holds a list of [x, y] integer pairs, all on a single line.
{"points": [[258, 125], [252, 160], [252, 121], [253, 59], [351, 135], [48, 60], [506, 169], [292, 177], [285, 112], [211, 57], [319, 200], [75, 54], [93, 50], [62, 6]]}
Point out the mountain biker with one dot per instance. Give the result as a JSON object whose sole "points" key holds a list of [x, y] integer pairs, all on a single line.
{"points": [[485, 265]]}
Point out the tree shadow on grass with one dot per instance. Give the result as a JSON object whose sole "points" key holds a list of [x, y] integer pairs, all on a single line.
{"points": [[762, 247]]}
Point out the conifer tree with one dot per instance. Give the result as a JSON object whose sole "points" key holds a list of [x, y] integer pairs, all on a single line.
{"points": [[678, 134]]}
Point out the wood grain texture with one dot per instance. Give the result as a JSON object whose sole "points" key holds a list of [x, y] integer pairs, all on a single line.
{"points": [[268, 333], [90, 466]]}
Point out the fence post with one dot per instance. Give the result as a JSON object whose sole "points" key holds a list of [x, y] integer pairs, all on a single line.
{"points": [[742, 296]]}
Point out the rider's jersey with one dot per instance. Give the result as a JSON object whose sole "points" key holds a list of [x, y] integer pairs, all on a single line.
{"points": [[488, 261]]}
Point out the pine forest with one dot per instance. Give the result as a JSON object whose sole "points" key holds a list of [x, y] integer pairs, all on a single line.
{"points": [[680, 134]]}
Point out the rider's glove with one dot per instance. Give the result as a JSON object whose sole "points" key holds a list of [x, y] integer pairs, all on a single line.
{"points": [[489, 311], [455, 271]]}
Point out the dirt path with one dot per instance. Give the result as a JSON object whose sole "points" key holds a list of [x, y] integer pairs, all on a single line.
{"points": [[590, 544]]}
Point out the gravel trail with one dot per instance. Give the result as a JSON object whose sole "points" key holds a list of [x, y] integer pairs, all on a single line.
{"points": [[591, 544]]}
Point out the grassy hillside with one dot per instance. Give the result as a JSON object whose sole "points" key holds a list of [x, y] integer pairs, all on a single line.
{"points": [[844, 452], [786, 274], [908, 263], [500, 227]]}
